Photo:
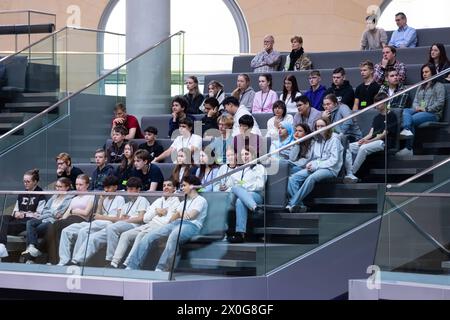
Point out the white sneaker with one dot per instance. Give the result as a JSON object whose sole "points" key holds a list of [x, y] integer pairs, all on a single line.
{"points": [[406, 133], [405, 153], [3, 251], [33, 251], [114, 265], [158, 270], [350, 178]]}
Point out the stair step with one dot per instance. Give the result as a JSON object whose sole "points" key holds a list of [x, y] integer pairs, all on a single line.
{"points": [[41, 94], [337, 201], [436, 145], [310, 215], [287, 231], [14, 116], [396, 171], [28, 104], [203, 262]]}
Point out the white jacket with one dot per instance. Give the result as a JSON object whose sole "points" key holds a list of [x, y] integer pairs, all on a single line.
{"points": [[251, 178]]}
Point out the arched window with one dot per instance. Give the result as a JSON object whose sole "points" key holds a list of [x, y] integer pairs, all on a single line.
{"points": [[214, 31], [421, 14]]}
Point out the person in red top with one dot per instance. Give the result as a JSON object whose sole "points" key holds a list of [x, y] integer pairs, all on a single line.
{"points": [[128, 121]]}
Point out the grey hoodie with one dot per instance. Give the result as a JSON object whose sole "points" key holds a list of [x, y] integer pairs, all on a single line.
{"points": [[327, 154], [49, 213]]}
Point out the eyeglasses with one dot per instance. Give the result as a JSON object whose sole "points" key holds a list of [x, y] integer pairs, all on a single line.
{"points": [[60, 163]]}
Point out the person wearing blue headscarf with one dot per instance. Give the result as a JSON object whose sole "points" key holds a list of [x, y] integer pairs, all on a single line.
{"points": [[285, 136]]}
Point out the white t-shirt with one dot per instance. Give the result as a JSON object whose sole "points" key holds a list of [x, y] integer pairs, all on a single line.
{"points": [[200, 205], [110, 206], [181, 142], [132, 208], [291, 106], [170, 204]]}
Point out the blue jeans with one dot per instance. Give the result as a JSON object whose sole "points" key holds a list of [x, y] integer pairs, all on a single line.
{"points": [[302, 183], [412, 119], [35, 229], [245, 200], [188, 230]]}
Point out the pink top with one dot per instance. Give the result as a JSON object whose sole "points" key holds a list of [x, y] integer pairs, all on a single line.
{"points": [[263, 102]]}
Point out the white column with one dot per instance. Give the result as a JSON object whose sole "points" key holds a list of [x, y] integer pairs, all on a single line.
{"points": [[148, 77]]}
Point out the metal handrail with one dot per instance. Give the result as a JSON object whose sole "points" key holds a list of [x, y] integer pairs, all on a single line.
{"points": [[95, 193], [420, 174], [319, 131], [70, 96], [4, 59], [28, 10]]}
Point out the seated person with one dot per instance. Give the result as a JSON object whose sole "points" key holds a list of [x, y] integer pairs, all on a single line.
{"points": [[79, 210], [129, 216], [290, 92], [247, 187], [53, 210], [215, 90], [209, 121], [101, 171], [76, 235], [306, 113], [185, 140], [149, 174], [192, 222], [404, 36], [65, 169], [428, 105], [156, 216], [374, 141], [373, 38], [267, 60], [179, 106], [389, 61], [225, 184], [115, 151], [285, 137], [27, 207], [244, 92], [264, 98], [341, 88], [207, 170], [300, 153], [220, 143], [438, 57], [316, 91], [393, 86], [367, 90], [247, 138], [152, 145], [184, 167], [233, 108], [126, 167], [297, 60], [128, 121], [280, 114], [193, 98], [325, 163]]}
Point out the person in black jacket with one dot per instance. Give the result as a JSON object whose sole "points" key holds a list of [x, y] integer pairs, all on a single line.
{"points": [[27, 206], [209, 121], [341, 88]]}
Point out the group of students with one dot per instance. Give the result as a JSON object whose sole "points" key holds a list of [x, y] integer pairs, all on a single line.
{"points": [[75, 227]]}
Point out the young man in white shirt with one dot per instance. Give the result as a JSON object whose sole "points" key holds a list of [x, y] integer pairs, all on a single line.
{"points": [[185, 140], [157, 215], [192, 222]]}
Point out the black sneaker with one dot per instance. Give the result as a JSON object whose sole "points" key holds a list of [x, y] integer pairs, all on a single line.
{"points": [[238, 237], [299, 209], [258, 213]]}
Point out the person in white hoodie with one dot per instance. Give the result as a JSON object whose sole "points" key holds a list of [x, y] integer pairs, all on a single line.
{"points": [[325, 163], [248, 188], [156, 216]]}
